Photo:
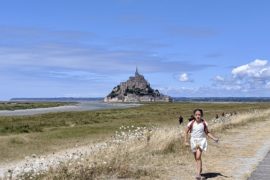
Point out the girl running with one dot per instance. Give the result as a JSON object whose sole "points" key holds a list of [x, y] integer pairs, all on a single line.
{"points": [[198, 128]]}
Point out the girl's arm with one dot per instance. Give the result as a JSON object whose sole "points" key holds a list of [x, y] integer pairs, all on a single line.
{"points": [[212, 137]]}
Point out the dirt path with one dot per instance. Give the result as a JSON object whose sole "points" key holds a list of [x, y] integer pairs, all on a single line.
{"points": [[235, 157]]}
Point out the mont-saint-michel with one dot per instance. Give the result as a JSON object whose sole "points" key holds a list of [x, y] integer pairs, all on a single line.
{"points": [[136, 89]]}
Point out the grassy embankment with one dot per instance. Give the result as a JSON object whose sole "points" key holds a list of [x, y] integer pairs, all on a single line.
{"points": [[30, 105], [39, 134]]}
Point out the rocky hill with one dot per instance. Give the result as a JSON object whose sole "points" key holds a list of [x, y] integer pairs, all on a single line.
{"points": [[136, 89]]}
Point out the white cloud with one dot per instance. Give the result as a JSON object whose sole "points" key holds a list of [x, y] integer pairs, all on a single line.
{"points": [[251, 79], [255, 69], [219, 78], [267, 85], [184, 77], [248, 78]]}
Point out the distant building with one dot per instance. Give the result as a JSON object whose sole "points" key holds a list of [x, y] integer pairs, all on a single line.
{"points": [[136, 89]]}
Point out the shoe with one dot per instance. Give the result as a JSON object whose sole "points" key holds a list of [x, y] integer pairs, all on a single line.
{"points": [[200, 178]]}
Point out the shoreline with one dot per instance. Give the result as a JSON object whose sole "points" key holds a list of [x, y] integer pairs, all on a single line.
{"points": [[81, 106]]}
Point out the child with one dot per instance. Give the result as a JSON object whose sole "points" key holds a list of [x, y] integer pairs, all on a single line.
{"points": [[198, 143]]}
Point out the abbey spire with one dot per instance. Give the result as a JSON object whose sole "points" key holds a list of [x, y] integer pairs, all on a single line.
{"points": [[137, 72]]}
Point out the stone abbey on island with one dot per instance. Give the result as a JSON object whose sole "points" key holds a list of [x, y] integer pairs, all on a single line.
{"points": [[136, 89]]}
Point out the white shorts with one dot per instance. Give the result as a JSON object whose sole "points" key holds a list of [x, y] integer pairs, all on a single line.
{"points": [[198, 142]]}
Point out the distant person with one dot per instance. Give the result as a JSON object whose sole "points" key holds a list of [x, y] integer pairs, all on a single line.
{"points": [[181, 119], [198, 143], [217, 116]]}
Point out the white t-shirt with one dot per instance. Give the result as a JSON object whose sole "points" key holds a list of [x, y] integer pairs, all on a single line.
{"points": [[197, 129]]}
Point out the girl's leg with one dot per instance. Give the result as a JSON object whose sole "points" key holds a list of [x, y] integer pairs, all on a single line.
{"points": [[198, 158], [195, 157]]}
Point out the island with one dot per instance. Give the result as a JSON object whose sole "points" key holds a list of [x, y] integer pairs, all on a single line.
{"points": [[136, 89]]}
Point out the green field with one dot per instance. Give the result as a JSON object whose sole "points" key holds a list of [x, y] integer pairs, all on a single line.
{"points": [[29, 105], [25, 135]]}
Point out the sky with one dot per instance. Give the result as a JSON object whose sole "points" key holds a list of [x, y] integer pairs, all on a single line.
{"points": [[84, 48]]}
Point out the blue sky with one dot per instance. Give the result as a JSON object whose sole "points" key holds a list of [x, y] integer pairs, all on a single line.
{"points": [[81, 48]]}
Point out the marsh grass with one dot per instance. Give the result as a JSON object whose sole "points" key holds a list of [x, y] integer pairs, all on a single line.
{"points": [[30, 105], [157, 113], [46, 133]]}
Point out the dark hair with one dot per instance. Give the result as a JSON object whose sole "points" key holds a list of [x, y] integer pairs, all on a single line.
{"points": [[191, 118], [201, 111]]}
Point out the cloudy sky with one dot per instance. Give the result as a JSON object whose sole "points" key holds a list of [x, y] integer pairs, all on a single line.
{"points": [[83, 48]]}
